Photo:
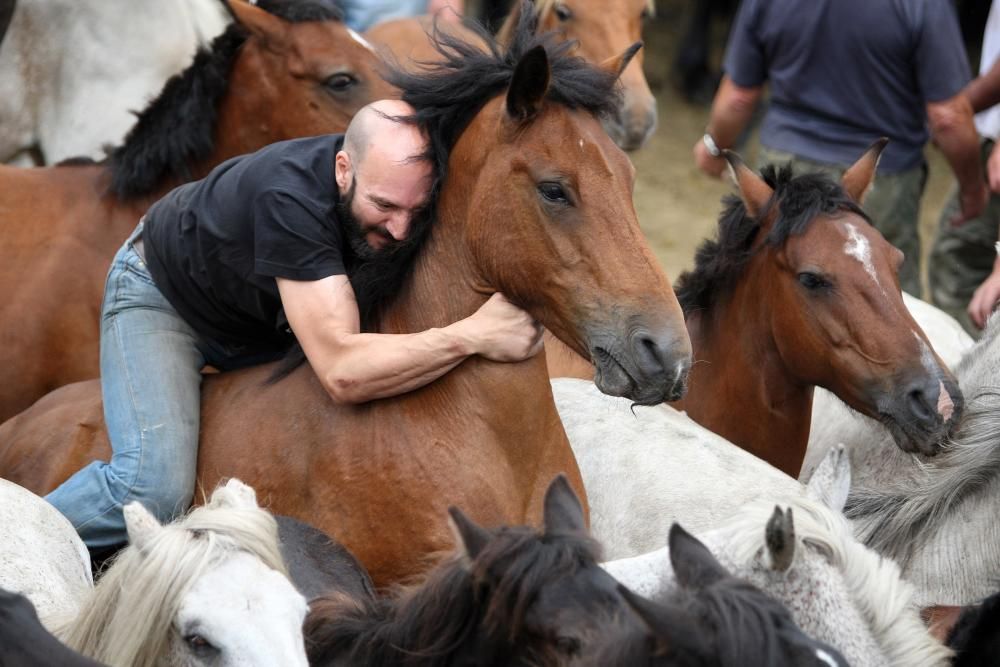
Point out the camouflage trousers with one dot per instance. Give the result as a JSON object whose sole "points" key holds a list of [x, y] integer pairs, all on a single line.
{"points": [[962, 257], [892, 203]]}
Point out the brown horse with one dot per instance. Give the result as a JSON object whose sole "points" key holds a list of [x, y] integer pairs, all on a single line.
{"points": [[800, 291], [536, 204], [267, 78], [603, 29]]}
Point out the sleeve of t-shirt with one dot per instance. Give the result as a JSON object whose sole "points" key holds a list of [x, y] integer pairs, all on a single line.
{"points": [[745, 62], [291, 241], [941, 63]]}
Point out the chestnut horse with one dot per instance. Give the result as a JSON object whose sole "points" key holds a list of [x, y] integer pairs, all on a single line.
{"points": [[536, 203], [800, 291], [603, 30], [266, 79]]}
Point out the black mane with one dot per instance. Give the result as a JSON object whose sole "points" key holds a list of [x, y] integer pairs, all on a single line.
{"points": [[719, 263], [447, 95], [177, 129], [479, 606]]}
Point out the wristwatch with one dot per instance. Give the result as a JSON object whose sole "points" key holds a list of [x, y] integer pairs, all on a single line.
{"points": [[710, 145]]}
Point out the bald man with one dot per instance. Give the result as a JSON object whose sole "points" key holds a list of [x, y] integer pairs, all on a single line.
{"points": [[228, 271]]}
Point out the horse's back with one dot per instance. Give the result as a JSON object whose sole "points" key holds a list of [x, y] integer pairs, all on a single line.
{"points": [[646, 467], [41, 555], [408, 39]]}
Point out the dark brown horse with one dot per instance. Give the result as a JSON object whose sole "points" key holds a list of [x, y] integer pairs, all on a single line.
{"points": [[800, 291], [603, 29], [508, 596], [269, 77], [536, 204]]}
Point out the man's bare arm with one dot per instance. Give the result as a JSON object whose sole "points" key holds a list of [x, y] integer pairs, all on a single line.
{"points": [[732, 109], [955, 134], [356, 367], [984, 91]]}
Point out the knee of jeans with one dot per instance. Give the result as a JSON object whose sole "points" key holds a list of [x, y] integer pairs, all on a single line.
{"points": [[169, 496]]}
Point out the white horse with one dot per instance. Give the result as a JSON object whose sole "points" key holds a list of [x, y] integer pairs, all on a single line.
{"points": [[837, 590], [72, 72], [41, 555], [833, 422], [938, 516], [646, 467], [208, 589]]}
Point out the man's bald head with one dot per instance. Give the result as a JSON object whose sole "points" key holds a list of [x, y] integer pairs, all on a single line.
{"points": [[385, 126], [383, 171]]}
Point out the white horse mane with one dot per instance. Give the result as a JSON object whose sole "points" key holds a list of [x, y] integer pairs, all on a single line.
{"points": [[874, 583], [128, 618], [897, 519]]}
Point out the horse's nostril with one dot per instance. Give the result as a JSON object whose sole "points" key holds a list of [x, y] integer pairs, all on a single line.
{"points": [[919, 406]]}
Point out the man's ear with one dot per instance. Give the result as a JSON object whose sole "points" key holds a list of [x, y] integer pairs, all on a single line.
{"points": [[343, 170]]}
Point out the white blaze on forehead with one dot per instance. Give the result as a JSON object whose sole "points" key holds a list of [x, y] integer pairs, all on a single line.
{"points": [[857, 246], [361, 40], [945, 406]]}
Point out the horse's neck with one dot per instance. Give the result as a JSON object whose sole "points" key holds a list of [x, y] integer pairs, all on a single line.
{"points": [[740, 387]]}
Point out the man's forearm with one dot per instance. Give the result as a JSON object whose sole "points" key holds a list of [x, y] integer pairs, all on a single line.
{"points": [[955, 135], [370, 366], [731, 112], [984, 91]]}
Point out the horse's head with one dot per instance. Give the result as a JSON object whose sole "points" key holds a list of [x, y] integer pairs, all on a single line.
{"points": [[312, 73], [208, 589], [539, 200], [710, 618], [828, 282], [510, 595], [542, 591], [604, 30]]}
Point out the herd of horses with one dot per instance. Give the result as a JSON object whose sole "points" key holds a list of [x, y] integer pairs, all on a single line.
{"points": [[570, 473]]}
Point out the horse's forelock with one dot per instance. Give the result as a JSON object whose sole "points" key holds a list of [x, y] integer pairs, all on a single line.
{"points": [[129, 615], [720, 262]]}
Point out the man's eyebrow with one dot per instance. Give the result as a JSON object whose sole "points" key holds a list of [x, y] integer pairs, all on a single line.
{"points": [[375, 199]]}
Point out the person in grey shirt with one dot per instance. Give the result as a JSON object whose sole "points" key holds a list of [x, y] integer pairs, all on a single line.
{"points": [[841, 74]]}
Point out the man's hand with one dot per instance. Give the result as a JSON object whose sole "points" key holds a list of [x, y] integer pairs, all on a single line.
{"points": [[711, 166], [503, 332], [993, 169], [450, 11], [985, 298], [971, 203]]}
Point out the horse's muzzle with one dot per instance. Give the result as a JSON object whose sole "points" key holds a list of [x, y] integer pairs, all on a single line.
{"points": [[646, 368], [923, 413]]}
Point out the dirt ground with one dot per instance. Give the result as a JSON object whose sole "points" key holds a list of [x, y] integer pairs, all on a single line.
{"points": [[677, 205]]}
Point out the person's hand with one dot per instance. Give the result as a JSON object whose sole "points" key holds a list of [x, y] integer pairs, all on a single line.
{"points": [[972, 203], [711, 166], [504, 332], [985, 298], [993, 169]]}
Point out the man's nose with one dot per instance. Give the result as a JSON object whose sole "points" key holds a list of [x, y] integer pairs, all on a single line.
{"points": [[398, 225]]}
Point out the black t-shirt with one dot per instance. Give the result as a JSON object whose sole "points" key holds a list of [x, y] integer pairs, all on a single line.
{"points": [[214, 247]]}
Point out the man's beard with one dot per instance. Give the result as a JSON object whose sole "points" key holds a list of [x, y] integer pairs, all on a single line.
{"points": [[376, 274]]}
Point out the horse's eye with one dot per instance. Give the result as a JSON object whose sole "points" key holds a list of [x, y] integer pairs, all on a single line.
{"points": [[812, 281], [563, 12], [568, 645], [340, 82], [553, 192], [199, 645]]}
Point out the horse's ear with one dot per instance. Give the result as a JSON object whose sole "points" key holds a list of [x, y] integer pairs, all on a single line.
{"points": [[617, 64], [563, 512], [142, 526], [830, 484], [754, 192], [235, 494], [858, 178], [270, 29], [655, 617], [470, 536], [694, 565], [529, 84], [779, 536]]}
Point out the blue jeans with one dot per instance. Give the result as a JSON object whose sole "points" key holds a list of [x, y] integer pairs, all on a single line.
{"points": [[363, 14], [151, 363]]}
